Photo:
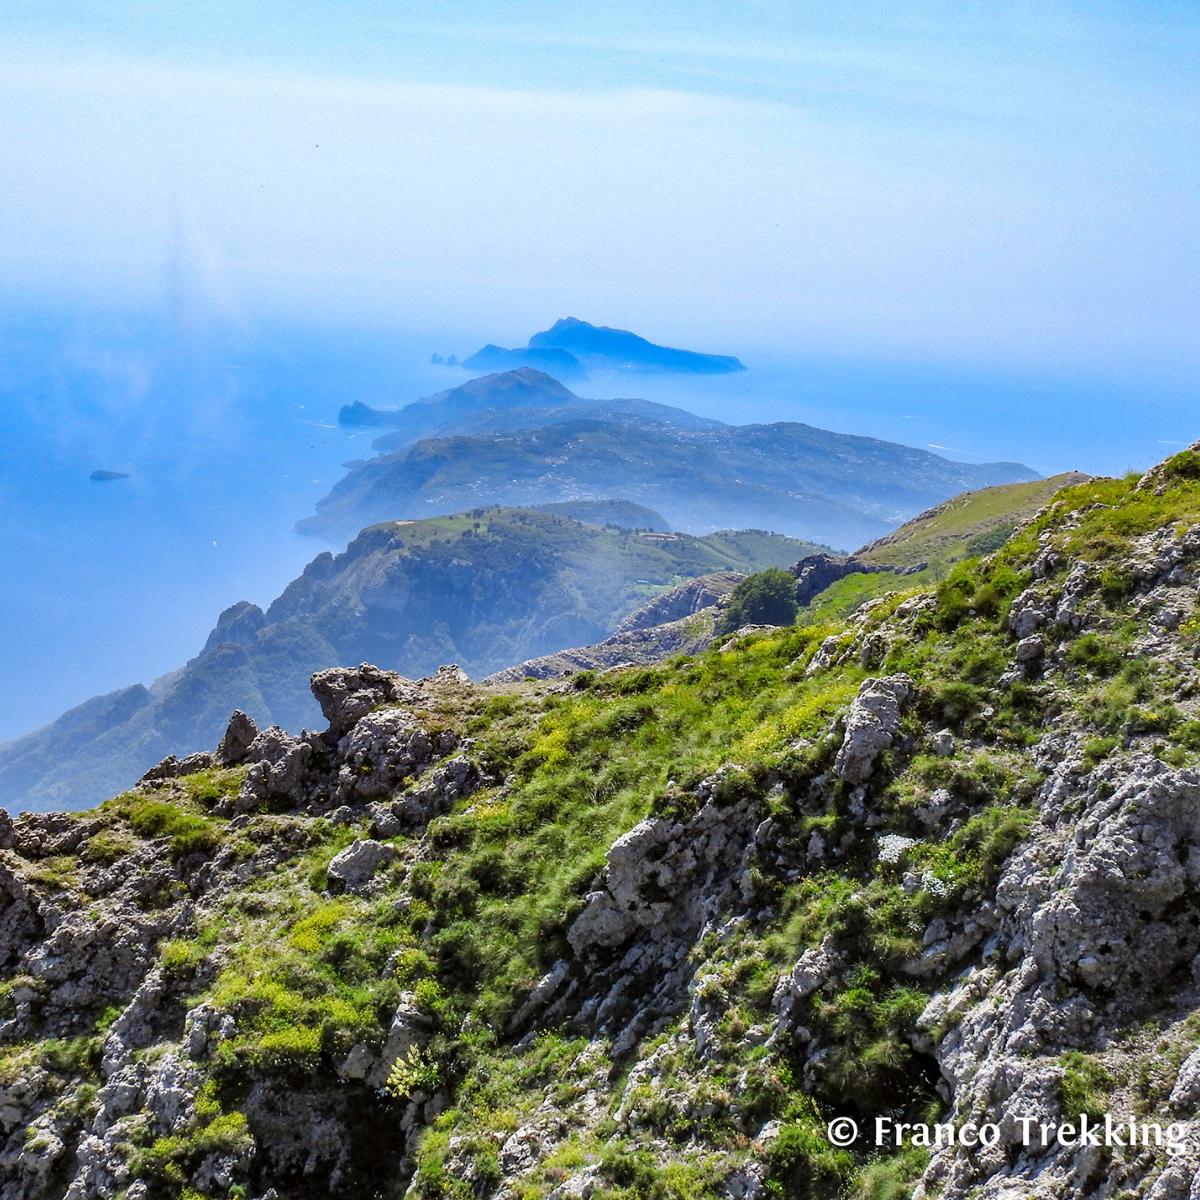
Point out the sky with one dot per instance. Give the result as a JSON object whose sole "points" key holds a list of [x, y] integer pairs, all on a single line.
{"points": [[1009, 185]]}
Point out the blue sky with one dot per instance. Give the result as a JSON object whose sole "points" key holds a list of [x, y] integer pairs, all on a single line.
{"points": [[1002, 184]]}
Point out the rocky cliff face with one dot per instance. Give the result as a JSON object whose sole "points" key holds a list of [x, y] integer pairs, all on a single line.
{"points": [[645, 935]]}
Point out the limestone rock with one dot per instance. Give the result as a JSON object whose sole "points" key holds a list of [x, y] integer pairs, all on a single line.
{"points": [[278, 764], [382, 750], [353, 868], [1185, 1095], [871, 726], [1028, 614], [1030, 649], [172, 767], [812, 970], [347, 694], [942, 743], [238, 738]]}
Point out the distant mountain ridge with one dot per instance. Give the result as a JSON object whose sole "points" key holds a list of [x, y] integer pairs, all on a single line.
{"points": [[620, 349], [484, 589], [561, 363], [622, 513], [684, 620], [521, 438], [503, 402]]}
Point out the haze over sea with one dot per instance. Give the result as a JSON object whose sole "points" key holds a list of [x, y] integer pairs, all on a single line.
{"points": [[229, 434]]}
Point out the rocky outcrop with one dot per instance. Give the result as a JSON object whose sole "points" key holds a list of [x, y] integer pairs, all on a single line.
{"points": [[680, 621], [234, 746], [67, 964], [353, 868], [636, 647], [238, 625], [871, 726], [682, 601], [1097, 925], [346, 696], [818, 571]]}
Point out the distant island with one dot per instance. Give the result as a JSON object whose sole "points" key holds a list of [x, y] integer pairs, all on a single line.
{"points": [[99, 476], [570, 347], [562, 364]]}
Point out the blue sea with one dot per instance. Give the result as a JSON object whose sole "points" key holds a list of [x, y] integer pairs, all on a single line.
{"points": [[228, 434]]}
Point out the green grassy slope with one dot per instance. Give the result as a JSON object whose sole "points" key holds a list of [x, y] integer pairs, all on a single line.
{"points": [[476, 910], [973, 523], [970, 524]]}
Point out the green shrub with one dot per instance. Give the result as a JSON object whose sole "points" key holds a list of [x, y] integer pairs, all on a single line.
{"points": [[991, 836], [189, 832], [954, 700], [802, 1162], [764, 598], [1085, 1086], [1186, 734], [1181, 467], [1095, 653], [180, 956], [891, 1178], [106, 847], [217, 783], [1116, 584], [1096, 749], [988, 540]]}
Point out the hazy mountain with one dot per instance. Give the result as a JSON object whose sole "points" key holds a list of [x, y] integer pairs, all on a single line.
{"points": [[826, 487], [520, 399], [522, 388], [598, 346], [560, 363], [623, 513], [484, 589], [686, 619], [679, 621]]}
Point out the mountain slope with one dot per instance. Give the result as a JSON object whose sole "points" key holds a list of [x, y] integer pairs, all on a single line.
{"points": [[501, 403], [618, 348], [685, 620], [680, 621], [523, 388], [623, 513], [807, 482], [484, 589], [973, 523], [925, 548], [647, 936]]}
